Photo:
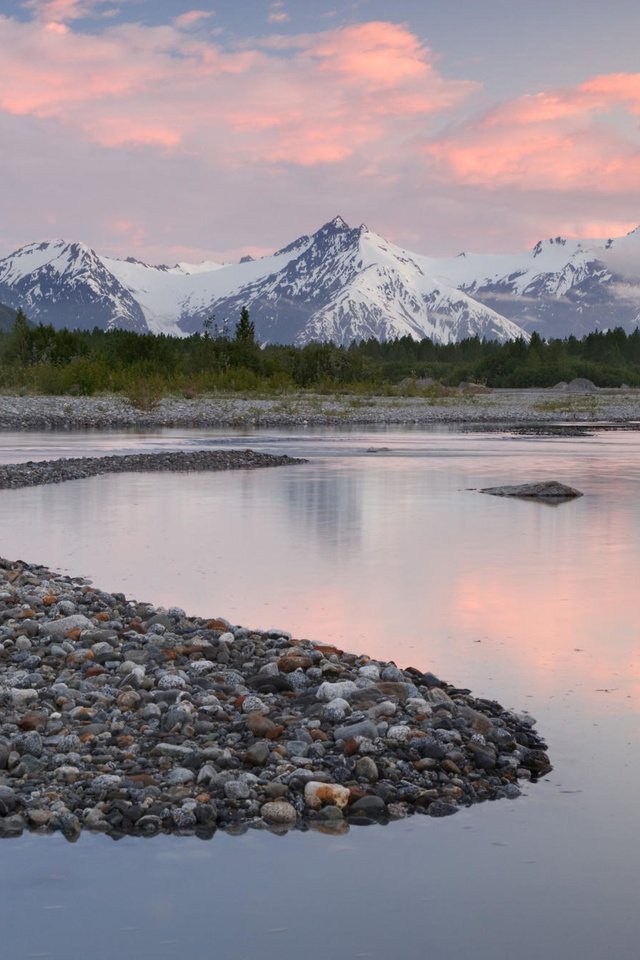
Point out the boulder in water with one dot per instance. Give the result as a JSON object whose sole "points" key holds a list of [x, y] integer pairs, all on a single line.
{"points": [[548, 490]]}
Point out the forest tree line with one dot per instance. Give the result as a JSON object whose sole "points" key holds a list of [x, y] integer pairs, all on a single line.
{"points": [[43, 360]]}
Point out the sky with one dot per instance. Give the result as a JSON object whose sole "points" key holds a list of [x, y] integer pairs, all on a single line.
{"points": [[168, 130]]}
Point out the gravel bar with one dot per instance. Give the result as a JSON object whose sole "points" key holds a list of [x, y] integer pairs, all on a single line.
{"points": [[129, 719], [32, 473], [496, 407]]}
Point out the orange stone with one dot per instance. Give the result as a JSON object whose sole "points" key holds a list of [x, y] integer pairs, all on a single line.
{"points": [[294, 661], [73, 634], [144, 778], [102, 616], [216, 625], [275, 733], [327, 650], [316, 794], [33, 721], [259, 724]]}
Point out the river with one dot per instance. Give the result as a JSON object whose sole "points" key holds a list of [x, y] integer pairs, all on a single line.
{"points": [[381, 544]]}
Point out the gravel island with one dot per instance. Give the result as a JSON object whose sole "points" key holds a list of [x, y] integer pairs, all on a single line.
{"points": [[33, 473], [125, 718]]}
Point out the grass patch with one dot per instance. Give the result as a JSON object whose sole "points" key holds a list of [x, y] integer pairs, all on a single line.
{"points": [[585, 403]]}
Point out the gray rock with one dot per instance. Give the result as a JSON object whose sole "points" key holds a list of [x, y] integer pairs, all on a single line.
{"points": [[237, 790], [59, 628], [336, 709], [538, 490], [366, 769], [258, 753], [363, 728], [181, 775], [369, 806]]}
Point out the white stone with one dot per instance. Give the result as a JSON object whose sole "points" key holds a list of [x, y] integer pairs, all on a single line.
{"points": [[279, 811], [417, 705], [399, 732], [370, 670], [336, 709], [316, 794], [22, 697], [58, 628], [329, 691], [253, 705]]}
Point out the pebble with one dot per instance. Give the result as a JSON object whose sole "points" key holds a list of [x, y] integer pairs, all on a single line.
{"points": [[129, 719]]}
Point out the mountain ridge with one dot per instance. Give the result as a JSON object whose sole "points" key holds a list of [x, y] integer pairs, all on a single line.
{"points": [[340, 283]]}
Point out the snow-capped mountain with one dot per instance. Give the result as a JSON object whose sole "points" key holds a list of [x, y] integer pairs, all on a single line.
{"points": [[340, 283], [67, 285], [347, 283], [559, 287]]}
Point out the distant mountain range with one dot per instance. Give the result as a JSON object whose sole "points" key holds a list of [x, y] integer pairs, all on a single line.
{"points": [[340, 284]]}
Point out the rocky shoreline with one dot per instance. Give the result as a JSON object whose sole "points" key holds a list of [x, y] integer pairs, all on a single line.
{"points": [[34, 473], [129, 719], [482, 410]]}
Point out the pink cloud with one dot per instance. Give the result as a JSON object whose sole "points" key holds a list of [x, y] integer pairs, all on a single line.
{"points": [[61, 11], [576, 139], [307, 100], [340, 120], [192, 17], [277, 13]]}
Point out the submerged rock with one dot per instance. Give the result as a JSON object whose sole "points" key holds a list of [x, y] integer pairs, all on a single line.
{"points": [[542, 490], [124, 718]]}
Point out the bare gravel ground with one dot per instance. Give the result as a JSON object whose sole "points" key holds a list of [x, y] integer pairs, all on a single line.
{"points": [[494, 408]]}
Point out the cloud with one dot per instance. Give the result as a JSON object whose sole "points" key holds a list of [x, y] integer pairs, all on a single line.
{"points": [[582, 138], [313, 99], [62, 11], [191, 18], [277, 14], [357, 119]]}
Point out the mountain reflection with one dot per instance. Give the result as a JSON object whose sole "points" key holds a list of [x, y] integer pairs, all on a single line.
{"points": [[326, 505]]}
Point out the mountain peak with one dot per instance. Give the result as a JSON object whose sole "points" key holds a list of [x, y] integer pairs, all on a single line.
{"points": [[550, 242]]}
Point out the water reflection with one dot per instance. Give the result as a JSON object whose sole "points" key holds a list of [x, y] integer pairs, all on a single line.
{"points": [[326, 507], [393, 554]]}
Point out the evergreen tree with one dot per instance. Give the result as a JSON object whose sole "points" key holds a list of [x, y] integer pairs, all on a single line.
{"points": [[19, 346], [245, 329]]}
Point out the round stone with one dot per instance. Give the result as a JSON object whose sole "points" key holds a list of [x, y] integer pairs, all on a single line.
{"points": [[279, 811]]}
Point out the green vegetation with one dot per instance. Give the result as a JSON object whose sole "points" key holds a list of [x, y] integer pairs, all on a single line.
{"points": [[145, 367], [586, 403]]}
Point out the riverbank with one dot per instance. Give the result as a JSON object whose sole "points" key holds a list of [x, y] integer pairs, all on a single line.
{"points": [[494, 408], [125, 718]]}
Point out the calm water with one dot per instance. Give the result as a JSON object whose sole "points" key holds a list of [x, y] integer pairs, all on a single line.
{"points": [[390, 553]]}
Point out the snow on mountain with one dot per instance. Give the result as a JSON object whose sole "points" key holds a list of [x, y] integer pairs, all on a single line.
{"points": [[559, 287], [340, 283], [345, 283], [67, 285]]}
